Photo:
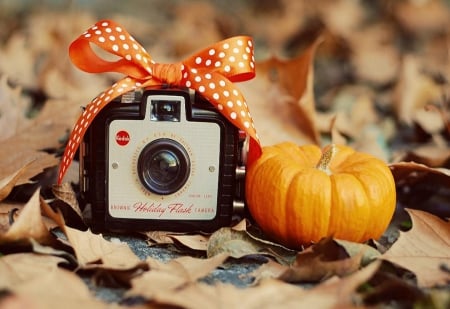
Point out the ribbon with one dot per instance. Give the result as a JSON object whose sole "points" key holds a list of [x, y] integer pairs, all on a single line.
{"points": [[211, 72]]}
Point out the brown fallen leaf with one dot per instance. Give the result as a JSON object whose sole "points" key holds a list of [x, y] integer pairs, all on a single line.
{"points": [[281, 99], [7, 183], [410, 173], [195, 242], [66, 194], [424, 250], [420, 17], [20, 267], [29, 224], [340, 293], [275, 23], [13, 109], [235, 243], [270, 293], [160, 237], [173, 275], [13, 161], [240, 243], [8, 213], [11, 300], [312, 268], [341, 17], [431, 155], [374, 56], [93, 251], [316, 263], [414, 90], [190, 241], [389, 287], [39, 280]]}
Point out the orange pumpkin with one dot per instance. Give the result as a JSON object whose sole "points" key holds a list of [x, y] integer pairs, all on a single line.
{"points": [[299, 194]]}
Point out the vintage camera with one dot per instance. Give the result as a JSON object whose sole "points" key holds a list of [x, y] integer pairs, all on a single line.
{"points": [[161, 159]]}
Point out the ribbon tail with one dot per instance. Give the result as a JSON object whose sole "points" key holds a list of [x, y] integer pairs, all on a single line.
{"points": [[254, 151], [86, 118]]}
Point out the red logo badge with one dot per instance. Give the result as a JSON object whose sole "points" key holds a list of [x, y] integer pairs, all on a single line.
{"points": [[122, 138]]}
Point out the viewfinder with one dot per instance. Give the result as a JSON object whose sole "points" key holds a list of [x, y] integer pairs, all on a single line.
{"points": [[165, 110]]}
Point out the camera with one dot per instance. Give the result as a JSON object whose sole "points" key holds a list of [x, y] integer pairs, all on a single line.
{"points": [[161, 159]]}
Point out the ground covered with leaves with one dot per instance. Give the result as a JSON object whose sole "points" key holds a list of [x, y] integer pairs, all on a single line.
{"points": [[371, 74]]}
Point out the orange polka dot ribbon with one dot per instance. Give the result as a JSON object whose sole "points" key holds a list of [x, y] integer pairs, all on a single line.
{"points": [[211, 72]]}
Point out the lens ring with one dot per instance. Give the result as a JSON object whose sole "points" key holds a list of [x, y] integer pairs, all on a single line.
{"points": [[163, 166]]}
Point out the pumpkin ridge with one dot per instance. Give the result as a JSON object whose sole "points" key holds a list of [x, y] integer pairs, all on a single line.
{"points": [[349, 212], [383, 208], [307, 219], [369, 207]]}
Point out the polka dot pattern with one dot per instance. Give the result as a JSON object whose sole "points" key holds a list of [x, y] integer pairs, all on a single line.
{"points": [[211, 72]]}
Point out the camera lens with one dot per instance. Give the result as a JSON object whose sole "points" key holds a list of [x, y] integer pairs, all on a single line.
{"points": [[163, 166]]}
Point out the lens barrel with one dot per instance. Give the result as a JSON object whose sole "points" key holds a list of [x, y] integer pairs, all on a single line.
{"points": [[163, 166]]}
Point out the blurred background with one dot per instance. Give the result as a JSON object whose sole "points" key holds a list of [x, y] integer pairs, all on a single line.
{"points": [[383, 66]]}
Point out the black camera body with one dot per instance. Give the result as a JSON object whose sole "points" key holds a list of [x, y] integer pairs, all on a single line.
{"points": [[161, 159]]}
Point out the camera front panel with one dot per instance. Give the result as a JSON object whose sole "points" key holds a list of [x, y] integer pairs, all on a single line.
{"points": [[163, 167]]}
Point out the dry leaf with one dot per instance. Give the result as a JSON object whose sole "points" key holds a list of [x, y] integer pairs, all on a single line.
{"points": [[336, 136], [411, 173], [24, 148], [281, 99], [7, 183], [353, 108], [430, 154], [13, 109], [29, 224], [39, 280], [273, 294], [341, 17], [21, 267], [340, 293], [414, 90], [173, 275], [240, 243], [424, 250], [374, 55], [275, 23], [334, 293], [10, 211], [17, 61], [235, 243], [321, 261], [420, 17], [194, 19], [195, 242], [389, 287], [65, 193], [93, 251], [160, 237]]}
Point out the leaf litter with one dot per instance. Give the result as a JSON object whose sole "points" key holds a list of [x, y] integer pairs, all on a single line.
{"points": [[374, 76]]}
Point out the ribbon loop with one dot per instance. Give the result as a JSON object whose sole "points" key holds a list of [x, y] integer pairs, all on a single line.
{"points": [[232, 58], [211, 72]]}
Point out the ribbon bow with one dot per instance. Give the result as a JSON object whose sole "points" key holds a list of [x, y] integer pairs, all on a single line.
{"points": [[211, 72]]}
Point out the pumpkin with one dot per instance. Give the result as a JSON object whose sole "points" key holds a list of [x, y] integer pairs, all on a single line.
{"points": [[300, 194]]}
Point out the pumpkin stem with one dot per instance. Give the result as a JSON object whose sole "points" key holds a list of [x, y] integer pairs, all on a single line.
{"points": [[327, 155]]}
